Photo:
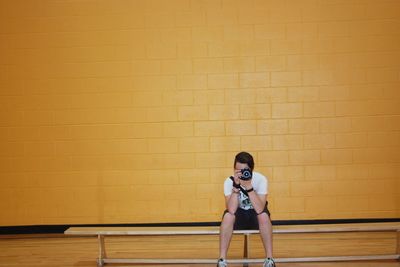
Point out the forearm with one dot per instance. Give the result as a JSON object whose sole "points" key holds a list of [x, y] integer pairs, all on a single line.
{"points": [[257, 202], [233, 203]]}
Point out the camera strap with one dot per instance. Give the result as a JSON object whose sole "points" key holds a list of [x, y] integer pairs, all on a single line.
{"points": [[241, 188]]}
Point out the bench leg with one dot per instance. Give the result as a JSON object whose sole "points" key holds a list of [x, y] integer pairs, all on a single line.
{"points": [[246, 249], [102, 251], [398, 245]]}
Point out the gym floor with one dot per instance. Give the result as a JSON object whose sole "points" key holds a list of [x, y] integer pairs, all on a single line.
{"points": [[59, 250]]}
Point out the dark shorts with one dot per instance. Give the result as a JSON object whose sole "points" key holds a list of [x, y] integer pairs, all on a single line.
{"points": [[247, 219]]}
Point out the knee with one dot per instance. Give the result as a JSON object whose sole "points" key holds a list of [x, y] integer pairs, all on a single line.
{"points": [[228, 218], [263, 219]]}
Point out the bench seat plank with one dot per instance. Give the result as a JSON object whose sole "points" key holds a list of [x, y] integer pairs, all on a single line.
{"points": [[213, 230]]}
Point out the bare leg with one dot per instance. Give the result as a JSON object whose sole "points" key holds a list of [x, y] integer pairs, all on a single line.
{"points": [[265, 225], [225, 236]]}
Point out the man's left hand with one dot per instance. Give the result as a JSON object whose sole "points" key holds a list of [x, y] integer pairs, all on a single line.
{"points": [[246, 184]]}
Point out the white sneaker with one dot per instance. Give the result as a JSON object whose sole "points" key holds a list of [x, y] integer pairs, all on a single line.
{"points": [[269, 262], [222, 263]]}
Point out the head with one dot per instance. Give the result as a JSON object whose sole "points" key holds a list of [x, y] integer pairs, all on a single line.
{"points": [[243, 160]]}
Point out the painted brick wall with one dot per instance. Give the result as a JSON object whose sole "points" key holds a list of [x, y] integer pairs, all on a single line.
{"points": [[132, 111]]}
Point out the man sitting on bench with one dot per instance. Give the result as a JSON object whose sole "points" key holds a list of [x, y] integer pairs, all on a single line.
{"points": [[246, 207]]}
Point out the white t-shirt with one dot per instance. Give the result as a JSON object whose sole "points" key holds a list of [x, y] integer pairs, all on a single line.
{"points": [[260, 186]]}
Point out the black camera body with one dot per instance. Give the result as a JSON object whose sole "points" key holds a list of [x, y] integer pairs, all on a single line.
{"points": [[246, 174]]}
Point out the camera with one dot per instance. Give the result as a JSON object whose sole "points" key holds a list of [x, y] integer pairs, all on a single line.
{"points": [[246, 174]]}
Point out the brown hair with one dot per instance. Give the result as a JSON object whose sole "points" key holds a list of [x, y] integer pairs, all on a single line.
{"points": [[244, 157]]}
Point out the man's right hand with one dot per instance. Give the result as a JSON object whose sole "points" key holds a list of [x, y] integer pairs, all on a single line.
{"points": [[236, 176]]}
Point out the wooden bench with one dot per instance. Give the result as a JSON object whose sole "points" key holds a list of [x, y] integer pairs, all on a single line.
{"points": [[102, 232]]}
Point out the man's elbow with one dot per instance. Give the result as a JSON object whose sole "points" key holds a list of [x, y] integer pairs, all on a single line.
{"points": [[231, 208], [232, 211]]}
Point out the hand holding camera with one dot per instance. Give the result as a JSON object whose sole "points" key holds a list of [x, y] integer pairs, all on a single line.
{"points": [[243, 177]]}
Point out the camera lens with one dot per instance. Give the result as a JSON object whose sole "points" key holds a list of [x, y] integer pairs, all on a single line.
{"points": [[246, 174]]}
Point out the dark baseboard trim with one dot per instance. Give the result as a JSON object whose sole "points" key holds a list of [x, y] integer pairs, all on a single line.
{"points": [[59, 229]]}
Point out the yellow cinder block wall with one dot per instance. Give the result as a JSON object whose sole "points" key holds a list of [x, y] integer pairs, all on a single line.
{"points": [[132, 111]]}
